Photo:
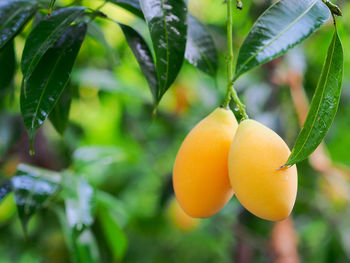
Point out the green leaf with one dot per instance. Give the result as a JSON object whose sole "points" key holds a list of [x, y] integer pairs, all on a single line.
{"points": [[7, 68], [167, 23], [33, 188], [281, 27], [324, 104], [13, 17], [79, 199], [44, 36], [50, 77], [59, 116], [132, 6], [143, 55], [10, 131], [200, 49], [52, 3]]}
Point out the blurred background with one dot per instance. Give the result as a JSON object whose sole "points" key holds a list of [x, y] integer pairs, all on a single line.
{"points": [[127, 157]]}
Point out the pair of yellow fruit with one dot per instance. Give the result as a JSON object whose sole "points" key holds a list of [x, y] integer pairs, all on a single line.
{"points": [[219, 158]]}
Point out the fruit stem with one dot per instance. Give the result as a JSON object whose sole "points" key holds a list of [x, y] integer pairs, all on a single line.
{"points": [[231, 92]]}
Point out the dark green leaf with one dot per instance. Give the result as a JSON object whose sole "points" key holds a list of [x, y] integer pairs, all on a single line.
{"points": [[59, 116], [167, 23], [132, 6], [143, 55], [79, 199], [44, 35], [323, 106], [7, 68], [200, 49], [50, 77], [33, 188], [5, 188], [13, 16], [52, 3], [281, 27]]}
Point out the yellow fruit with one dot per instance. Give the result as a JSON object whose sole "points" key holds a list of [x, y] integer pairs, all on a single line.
{"points": [[200, 175], [255, 157], [7, 208], [179, 218]]}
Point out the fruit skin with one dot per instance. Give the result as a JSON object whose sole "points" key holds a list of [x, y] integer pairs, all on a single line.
{"points": [[179, 218], [255, 156], [200, 175]]}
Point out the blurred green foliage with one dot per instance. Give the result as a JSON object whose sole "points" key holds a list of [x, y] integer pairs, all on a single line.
{"points": [[113, 144]]}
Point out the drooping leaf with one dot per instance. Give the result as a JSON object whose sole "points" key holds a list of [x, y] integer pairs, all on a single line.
{"points": [[132, 6], [7, 68], [13, 16], [33, 188], [200, 49], [167, 23], [50, 77], [324, 104], [143, 55], [59, 116], [44, 35], [281, 27], [79, 199], [5, 188]]}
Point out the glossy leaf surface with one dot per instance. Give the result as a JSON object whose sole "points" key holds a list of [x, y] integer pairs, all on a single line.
{"points": [[79, 200], [13, 16], [281, 27], [323, 106], [7, 67], [143, 55], [33, 188], [50, 77], [200, 49], [59, 116], [167, 23], [44, 36]]}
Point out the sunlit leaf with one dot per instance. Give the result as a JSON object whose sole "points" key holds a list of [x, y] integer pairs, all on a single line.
{"points": [[281, 27], [33, 188], [7, 68], [200, 49], [44, 35], [59, 116], [167, 23], [50, 77], [131, 5], [143, 55], [13, 16], [79, 199], [324, 104]]}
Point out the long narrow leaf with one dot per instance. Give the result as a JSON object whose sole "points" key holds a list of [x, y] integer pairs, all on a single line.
{"points": [[45, 34], [281, 27], [50, 77], [167, 23], [7, 68], [324, 104], [132, 6], [143, 55], [13, 16]]}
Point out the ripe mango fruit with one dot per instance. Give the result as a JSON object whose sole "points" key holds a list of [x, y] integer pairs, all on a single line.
{"points": [[255, 158], [200, 175]]}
